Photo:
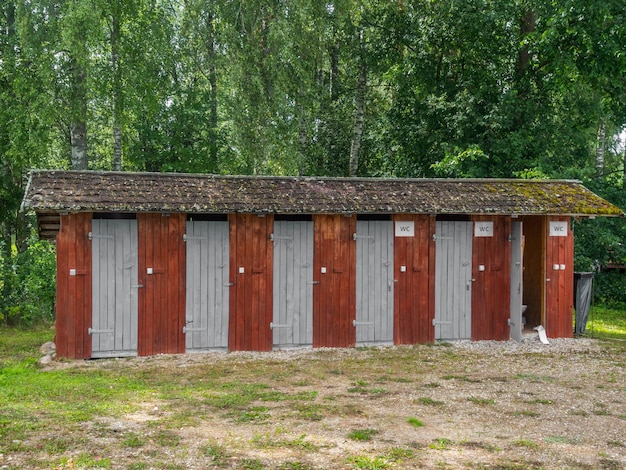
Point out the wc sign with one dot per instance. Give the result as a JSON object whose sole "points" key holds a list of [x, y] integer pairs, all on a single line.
{"points": [[405, 228], [483, 229], [558, 229]]}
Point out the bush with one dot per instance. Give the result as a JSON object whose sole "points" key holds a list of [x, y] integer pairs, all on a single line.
{"points": [[27, 284], [608, 289]]}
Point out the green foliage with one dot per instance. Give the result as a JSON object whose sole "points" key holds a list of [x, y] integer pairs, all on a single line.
{"points": [[27, 284], [453, 89], [609, 289]]}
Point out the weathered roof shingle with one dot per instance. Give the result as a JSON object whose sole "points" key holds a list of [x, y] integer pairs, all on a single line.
{"points": [[55, 191]]}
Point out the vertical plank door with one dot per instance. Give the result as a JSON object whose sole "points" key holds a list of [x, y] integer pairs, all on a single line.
{"points": [[114, 279], [292, 323], [207, 290], [414, 278], [374, 281], [491, 269], [251, 258], [453, 280], [559, 278], [334, 270], [162, 273], [73, 290], [517, 263]]}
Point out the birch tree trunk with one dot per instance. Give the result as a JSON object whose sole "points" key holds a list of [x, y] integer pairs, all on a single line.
{"points": [[211, 40], [117, 92], [600, 149], [78, 123], [359, 112], [624, 166]]}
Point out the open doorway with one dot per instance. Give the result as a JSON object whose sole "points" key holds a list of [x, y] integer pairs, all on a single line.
{"points": [[533, 273]]}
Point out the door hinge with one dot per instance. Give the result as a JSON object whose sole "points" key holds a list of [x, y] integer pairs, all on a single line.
{"points": [[91, 331], [91, 236]]}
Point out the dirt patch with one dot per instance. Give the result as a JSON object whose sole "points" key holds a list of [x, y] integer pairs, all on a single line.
{"points": [[469, 405]]}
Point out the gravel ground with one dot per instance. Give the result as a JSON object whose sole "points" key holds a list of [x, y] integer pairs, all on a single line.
{"points": [[502, 405]]}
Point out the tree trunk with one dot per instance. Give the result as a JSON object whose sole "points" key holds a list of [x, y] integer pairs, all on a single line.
{"points": [[527, 26], [78, 124], [624, 166], [334, 72], [528, 23], [600, 149], [213, 91], [117, 93], [359, 111]]}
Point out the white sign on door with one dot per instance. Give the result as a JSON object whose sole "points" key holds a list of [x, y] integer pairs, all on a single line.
{"points": [[405, 228], [483, 229], [558, 229]]}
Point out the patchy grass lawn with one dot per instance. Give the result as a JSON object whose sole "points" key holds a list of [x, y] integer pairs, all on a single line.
{"points": [[466, 405], [606, 322]]}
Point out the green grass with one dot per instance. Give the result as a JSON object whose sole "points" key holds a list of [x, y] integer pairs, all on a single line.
{"points": [[362, 435], [416, 423], [481, 401], [606, 323], [430, 402], [365, 462], [60, 394], [55, 416]]}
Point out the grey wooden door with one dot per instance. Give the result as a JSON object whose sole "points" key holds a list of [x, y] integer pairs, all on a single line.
{"points": [[374, 281], [292, 323], [515, 322], [114, 324], [207, 291], [453, 280]]}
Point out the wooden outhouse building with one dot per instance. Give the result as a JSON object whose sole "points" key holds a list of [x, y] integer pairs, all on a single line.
{"points": [[171, 263]]}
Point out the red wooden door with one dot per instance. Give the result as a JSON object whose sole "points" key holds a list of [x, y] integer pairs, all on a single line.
{"points": [[73, 290], [414, 275], [251, 260], [491, 269], [162, 270], [559, 278], [334, 268]]}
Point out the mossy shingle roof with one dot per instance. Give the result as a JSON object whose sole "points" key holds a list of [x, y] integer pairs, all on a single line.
{"points": [[55, 191]]}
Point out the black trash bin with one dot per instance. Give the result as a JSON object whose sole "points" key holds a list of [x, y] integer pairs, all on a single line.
{"points": [[583, 284]]}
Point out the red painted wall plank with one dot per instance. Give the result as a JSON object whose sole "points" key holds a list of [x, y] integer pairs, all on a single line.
{"points": [[73, 302], [251, 293], [560, 288], [491, 290], [162, 299], [334, 298], [414, 291]]}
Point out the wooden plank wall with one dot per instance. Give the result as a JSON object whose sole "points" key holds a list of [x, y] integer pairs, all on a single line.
{"points": [[161, 314], [292, 289], [374, 281], [334, 298], [207, 290], [534, 275], [73, 302], [453, 279], [414, 306], [251, 260], [560, 287], [491, 290]]}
